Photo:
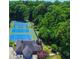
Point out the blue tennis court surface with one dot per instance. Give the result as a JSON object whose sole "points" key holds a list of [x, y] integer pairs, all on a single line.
{"points": [[20, 31], [20, 37], [20, 24]]}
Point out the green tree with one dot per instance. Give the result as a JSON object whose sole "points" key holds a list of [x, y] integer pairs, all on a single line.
{"points": [[19, 11]]}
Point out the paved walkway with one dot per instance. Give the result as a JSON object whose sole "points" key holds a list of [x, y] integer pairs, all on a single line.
{"points": [[12, 54]]}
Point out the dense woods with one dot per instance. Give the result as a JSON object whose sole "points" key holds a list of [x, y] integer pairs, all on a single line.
{"points": [[51, 20]]}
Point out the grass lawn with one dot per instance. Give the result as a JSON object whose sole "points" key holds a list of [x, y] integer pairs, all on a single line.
{"points": [[54, 57]]}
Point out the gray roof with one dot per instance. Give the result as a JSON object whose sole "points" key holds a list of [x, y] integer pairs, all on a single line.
{"points": [[27, 51], [22, 45]]}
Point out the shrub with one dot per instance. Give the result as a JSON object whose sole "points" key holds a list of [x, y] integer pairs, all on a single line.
{"points": [[12, 44], [54, 48], [42, 54]]}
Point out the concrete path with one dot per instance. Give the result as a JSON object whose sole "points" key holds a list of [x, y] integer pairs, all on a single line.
{"points": [[12, 54]]}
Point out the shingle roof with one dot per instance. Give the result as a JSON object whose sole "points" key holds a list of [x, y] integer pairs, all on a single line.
{"points": [[32, 45], [27, 51]]}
